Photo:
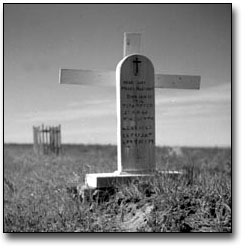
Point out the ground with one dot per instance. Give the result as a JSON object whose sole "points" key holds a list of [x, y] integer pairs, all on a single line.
{"points": [[40, 192]]}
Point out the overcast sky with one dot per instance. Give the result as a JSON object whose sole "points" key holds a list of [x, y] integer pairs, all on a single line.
{"points": [[179, 39]]}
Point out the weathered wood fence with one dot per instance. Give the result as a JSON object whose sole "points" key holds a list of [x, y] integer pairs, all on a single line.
{"points": [[47, 139]]}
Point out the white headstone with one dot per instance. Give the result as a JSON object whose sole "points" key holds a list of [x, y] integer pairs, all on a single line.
{"points": [[136, 115]]}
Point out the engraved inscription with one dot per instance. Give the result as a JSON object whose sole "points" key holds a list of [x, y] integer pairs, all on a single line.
{"points": [[137, 107]]}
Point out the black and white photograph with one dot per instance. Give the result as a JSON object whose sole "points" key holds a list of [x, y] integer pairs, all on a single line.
{"points": [[117, 118]]}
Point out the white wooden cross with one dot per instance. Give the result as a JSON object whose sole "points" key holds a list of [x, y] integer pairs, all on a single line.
{"points": [[103, 78], [136, 154]]}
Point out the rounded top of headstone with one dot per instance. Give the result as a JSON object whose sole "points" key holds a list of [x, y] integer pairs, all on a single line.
{"points": [[134, 58]]}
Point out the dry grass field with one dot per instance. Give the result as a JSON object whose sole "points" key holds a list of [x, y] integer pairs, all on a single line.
{"points": [[39, 192]]}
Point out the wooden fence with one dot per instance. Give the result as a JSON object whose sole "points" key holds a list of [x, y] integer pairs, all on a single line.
{"points": [[47, 140]]}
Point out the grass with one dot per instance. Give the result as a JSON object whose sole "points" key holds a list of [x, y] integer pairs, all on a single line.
{"points": [[39, 197]]}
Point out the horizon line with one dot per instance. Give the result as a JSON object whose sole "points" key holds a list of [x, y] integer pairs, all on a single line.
{"points": [[110, 144]]}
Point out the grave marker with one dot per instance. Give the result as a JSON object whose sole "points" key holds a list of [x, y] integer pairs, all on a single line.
{"points": [[135, 83], [136, 115]]}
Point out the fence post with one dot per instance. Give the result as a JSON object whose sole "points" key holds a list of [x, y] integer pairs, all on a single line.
{"points": [[59, 139], [35, 139]]}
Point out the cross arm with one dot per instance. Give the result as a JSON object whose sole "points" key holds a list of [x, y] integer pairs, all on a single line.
{"points": [[108, 78], [87, 77], [177, 81]]}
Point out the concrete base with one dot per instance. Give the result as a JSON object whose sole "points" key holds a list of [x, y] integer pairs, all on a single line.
{"points": [[100, 186], [106, 180]]}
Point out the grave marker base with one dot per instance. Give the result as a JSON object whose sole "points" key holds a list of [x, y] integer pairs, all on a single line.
{"points": [[103, 184], [104, 180]]}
